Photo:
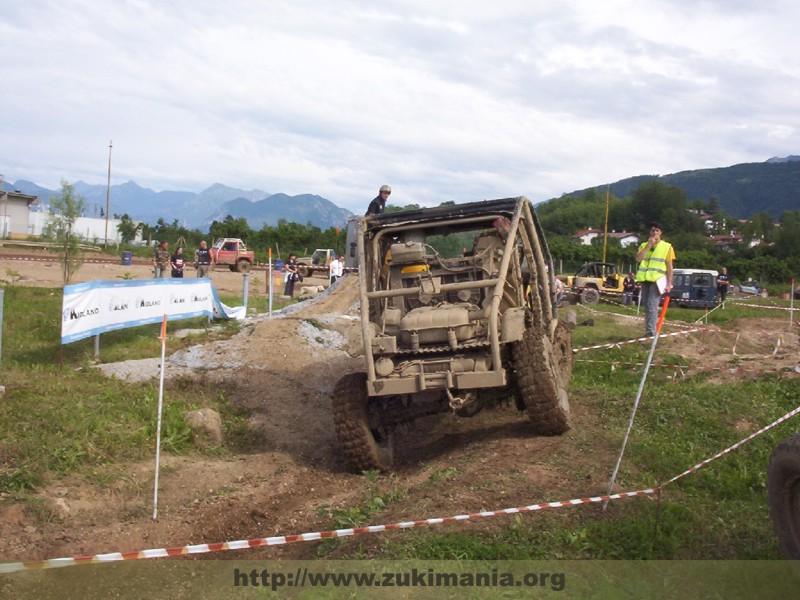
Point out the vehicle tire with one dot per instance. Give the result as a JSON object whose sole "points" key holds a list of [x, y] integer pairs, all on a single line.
{"points": [[783, 494], [590, 296], [562, 347], [304, 270], [243, 266], [541, 384], [364, 448]]}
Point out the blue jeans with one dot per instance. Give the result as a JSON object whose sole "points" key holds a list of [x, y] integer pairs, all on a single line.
{"points": [[650, 300], [627, 298]]}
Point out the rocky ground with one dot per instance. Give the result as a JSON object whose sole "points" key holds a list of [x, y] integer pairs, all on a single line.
{"points": [[283, 370]]}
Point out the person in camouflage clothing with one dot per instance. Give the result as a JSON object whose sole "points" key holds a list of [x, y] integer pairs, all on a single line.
{"points": [[161, 260]]}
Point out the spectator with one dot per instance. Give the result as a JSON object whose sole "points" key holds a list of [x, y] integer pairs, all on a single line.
{"points": [[203, 259], [161, 259], [628, 287], [378, 204], [655, 258], [337, 268], [723, 281], [560, 290], [290, 268], [177, 263]]}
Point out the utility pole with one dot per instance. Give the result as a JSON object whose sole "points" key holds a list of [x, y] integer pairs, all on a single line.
{"points": [[605, 228], [5, 206], [108, 193]]}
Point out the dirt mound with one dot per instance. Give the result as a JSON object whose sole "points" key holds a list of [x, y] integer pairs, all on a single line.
{"points": [[746, 348]]}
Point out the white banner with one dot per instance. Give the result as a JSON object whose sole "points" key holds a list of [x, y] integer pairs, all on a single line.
{"points": [[95, 307]]}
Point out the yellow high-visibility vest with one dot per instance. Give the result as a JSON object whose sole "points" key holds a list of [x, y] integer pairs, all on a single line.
{"points": [[654, 264]]}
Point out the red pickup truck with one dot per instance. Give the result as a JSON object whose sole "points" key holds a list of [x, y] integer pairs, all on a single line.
{"points": [[233, 253]]}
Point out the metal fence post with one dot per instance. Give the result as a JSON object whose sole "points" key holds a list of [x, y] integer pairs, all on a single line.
{"points": [[2, 302]]}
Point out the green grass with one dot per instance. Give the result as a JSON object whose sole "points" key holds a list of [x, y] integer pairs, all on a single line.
{"points": [[56, 420], [59, 416], [379, 492], [718, 512]]}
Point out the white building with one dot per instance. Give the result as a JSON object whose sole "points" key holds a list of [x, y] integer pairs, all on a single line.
{"points": [[91, 229], [626, 238], [14, 219]]}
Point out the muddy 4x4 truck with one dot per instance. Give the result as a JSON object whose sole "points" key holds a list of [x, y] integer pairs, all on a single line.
{"points": [[457, 312]]}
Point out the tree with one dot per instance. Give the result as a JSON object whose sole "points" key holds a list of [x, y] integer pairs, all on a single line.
{"points": [[128, 229], [231, 227], [64, 211], [787, 241], [391, 208], [656, 201], [172, 232]]}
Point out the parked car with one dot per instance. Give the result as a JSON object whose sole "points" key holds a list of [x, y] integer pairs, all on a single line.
{"points": [[796, 293], [750, 287], [694, 288]]}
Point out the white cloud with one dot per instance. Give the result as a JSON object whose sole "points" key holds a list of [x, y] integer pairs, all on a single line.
{"points": [[443, 100]]}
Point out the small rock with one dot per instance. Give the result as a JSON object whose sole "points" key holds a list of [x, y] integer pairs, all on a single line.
{"points": [[61, 505], [206, 425]]}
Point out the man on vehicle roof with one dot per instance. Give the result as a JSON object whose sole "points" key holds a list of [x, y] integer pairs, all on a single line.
{"points": [[378, 204]]}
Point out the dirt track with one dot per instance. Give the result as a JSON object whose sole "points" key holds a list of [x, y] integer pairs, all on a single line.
{"points": [[295, 475], [45, 271]]}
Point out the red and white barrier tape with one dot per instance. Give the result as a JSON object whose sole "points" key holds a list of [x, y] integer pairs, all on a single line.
{"points": [[743, 302], [699, 465], [53, 259], [302, 537], [638, 340], [637, 317], [13, 567], [731, 370]]}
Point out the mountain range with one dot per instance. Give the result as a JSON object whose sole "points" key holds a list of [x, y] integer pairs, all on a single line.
{"points": [[741, 190], [195, 210]]}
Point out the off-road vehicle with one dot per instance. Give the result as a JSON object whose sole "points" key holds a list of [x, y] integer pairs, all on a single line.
{"points": [[594, 278], [319, 261], [233, 253], [457, 311]]}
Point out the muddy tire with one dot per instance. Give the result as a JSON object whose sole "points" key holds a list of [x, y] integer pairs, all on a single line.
{"points": [[303, 270], [541, 384], [562, 347], [590, 296], [783, 495], [243, 266], [363, 447]]}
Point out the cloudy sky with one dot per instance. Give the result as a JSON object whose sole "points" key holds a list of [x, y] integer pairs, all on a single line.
{"points": [[444, 100]]}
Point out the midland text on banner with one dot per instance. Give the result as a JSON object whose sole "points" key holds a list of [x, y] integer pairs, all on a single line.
{"points": [[95, 307]]}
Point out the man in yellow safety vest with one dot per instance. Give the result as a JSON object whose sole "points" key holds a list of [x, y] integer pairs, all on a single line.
{"points": [[655, 258]]}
